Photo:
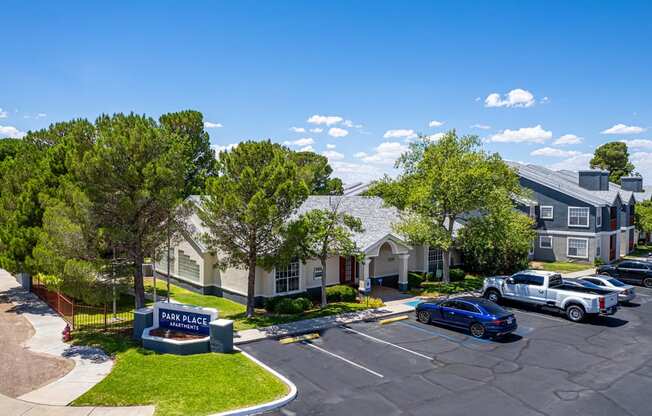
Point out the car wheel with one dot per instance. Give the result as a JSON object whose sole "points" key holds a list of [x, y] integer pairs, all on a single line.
{"points": [[493, 295], [423, 317], [575, 313], [647, 282], [477, 330]]}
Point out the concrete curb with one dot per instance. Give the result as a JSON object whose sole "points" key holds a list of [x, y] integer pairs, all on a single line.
{"points": [[275, 404]]}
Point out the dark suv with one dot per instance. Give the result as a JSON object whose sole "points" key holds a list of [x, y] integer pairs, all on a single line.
{"points": [[630, 271]]}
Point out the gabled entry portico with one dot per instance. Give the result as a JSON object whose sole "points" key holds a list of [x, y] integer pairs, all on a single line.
{"points": [[386, 258]]}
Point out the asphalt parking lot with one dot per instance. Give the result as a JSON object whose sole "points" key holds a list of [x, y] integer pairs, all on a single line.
{"points": [[550, 366]]}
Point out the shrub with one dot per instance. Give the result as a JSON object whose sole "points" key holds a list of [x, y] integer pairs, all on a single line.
{"points": [[372, 302], [340, 293], [598, 262], [287, 306], [415, 279], [456, 275]]}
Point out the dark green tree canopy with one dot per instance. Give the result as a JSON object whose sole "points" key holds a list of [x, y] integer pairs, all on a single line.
{"points": [[614, 158], [316, 173]]}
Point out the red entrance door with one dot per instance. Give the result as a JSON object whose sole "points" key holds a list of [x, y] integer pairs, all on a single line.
{"points": [[348, 270]]}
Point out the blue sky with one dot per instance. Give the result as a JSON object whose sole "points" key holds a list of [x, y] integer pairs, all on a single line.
{"points": [[378, 71]]}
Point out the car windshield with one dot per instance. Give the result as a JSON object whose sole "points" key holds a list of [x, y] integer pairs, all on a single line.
{"points": [[616, 283], [492, 308]]}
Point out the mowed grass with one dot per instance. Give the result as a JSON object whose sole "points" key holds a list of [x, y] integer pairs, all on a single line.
{"points": [[469, 284], [561, 266], [193, 385]]}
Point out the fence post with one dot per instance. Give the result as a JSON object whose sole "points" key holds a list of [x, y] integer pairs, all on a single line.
{"points": [[105, 327], [59, 303], [73, 313]]}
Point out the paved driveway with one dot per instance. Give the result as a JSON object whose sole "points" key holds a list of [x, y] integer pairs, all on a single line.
{"points": [[549, 367]]}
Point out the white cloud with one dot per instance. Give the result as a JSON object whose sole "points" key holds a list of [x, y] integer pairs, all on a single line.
{"points": [[435, 137], [41, 115], [534, 134], [306, 149], [297, 129], [553, 152], [333, 155], [577, 162], [3, 113], [11, 132], [300, 142], [218, 148], [638, 143], [435, 123], [623, 129], [327, 120], [400, 133], [351, 125], [316, 130], [643, 164], [545, 100], [384, 154], [337, 132], [515, 98], [355, 172], [568, 139], [210, 125], [481, 126], [330, 146]]}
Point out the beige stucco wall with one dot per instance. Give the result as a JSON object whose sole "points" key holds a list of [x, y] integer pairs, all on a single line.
{"points": [[192, 251], [386, 263]]}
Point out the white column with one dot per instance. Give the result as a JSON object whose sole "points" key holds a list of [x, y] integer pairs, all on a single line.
{"points": [[364, 275], [403, 271]]}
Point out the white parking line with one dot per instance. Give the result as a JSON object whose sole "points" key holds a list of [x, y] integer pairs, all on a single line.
{"points": [[343, 359], [541, 315], [382, 341]]}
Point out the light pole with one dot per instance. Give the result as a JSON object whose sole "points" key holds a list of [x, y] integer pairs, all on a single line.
{"points": [[168, 262]]}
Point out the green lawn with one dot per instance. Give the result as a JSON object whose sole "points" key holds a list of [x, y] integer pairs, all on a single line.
{"points": [[470, 283], [561, 266], [232, 310], [640, 250], [178, 385]]}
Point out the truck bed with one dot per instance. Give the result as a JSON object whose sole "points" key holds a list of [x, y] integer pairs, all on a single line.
{"points": [[579, 289]]}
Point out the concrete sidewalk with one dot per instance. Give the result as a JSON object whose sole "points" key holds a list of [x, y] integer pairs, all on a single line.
{"points": [[14, 407], [318, 324], [580, 273]]}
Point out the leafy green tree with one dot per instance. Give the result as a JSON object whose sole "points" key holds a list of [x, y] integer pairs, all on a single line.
{"points": [[499, 241], [133, 178], [316, 173], [255, 192], [439, 183], [189, 127], [322, 233], [614, 158], [644, 216]]}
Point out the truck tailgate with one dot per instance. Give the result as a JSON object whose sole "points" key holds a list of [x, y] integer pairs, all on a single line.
{"points": [[611, 299]]}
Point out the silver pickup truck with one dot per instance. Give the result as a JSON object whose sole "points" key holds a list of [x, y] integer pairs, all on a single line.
{"points": [[548, 289]]}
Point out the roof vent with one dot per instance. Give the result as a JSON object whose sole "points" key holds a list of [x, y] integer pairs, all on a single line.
{"points": [[632, 183], [594, 180]]}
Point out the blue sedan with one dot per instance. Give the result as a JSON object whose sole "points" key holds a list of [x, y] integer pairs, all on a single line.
{"points": [[482, 317]]}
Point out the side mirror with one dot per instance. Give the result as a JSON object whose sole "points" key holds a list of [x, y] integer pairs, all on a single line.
{"points": [[509, 281]]}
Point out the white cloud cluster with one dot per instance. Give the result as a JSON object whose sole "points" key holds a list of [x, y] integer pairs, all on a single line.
{"points": [[643, 164], [337, 132], [435, 137], [218, 148], [553, 152], [384, 154], [481, 126], [577, 162], [435, 123], [333, 155], [400, 133], [536, 134], [300, 142], [330, 146], [211, 125], [623, 129], [327, 120], [298, 129], [515, 98], [638, 143], [11, 132], [350, 124], [316, 130], [3, 113], [568, 139]]}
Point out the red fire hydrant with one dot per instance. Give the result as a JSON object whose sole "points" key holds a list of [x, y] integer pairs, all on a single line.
{"points": [[67, 336]]}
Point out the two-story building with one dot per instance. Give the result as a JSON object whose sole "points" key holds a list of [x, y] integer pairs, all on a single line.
{"points": [[579, 216]]}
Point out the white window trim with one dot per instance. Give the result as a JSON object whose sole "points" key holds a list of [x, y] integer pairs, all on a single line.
{"points": [[598, 215], [541, 237], [300, 290], [552, 212], [568, 247], [588, 213]]}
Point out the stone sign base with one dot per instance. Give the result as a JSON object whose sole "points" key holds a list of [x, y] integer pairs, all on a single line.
{"points": [[219, 340]]}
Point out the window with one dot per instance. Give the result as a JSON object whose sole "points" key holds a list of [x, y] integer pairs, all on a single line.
{"points": [[598, 249], [435, 261], [594, 281], [317, 273], [545, 241], [578, 216], [598, 216], [287, 277], [520, 279], [463, 306], [547, 212], [535, 280], [578, 247], [632, 265], [188, 268]]}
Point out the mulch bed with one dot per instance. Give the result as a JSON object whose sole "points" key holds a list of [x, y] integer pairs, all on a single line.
{"points": [[179, 335]]}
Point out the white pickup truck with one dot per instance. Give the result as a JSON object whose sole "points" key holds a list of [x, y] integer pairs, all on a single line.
{"points": [[548, 289]]}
